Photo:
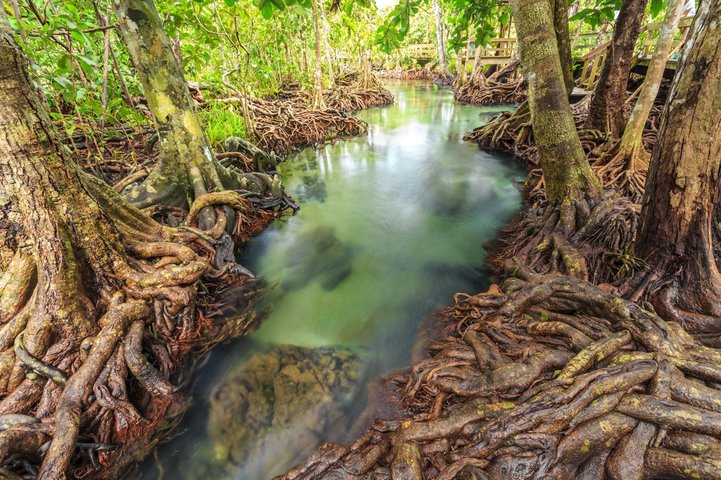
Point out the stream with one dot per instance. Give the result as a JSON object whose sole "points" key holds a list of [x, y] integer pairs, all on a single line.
{"points": [[391, 225]]}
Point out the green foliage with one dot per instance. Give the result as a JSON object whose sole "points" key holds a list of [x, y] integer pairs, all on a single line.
{"points": [[601, 11], [221, 122], [475, 19], [391, 33], [252, 47]]}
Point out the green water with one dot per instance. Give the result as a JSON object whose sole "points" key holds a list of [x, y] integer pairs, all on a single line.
{"points": [[403, 213], [391, 225]]}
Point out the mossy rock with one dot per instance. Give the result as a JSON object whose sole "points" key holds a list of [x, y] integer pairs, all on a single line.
{"points": [[277, 407]]}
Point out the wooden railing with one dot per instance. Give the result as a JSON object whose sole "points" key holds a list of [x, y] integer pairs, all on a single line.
{"points": [[423, 51], [651, 36], [592, 64], [593, 60], [501, 50]]}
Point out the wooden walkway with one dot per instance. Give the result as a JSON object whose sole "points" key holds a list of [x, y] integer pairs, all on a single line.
{"points": [[593, 60], [500, 51]]}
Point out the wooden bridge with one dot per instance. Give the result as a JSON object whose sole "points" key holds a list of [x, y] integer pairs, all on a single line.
{"points": [[498, 52], [593, 48], [593, 60]]}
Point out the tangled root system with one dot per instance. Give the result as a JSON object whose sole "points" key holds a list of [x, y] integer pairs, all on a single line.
{"points": [[589, 240], [429, 72], [548, 377], [286, 122], [511, 132], [503, 87]]}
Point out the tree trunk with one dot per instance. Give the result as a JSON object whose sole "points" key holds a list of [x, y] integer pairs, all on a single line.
{"points": [[633, 134], [86, 266], [326, 45], [440, 38], [606, 109], [477, 77], [304, 54], [460, 69], [676, 232], [318, 103], [186, 168], [565, 169], [366, 73], [563, 40], [183, 144]]}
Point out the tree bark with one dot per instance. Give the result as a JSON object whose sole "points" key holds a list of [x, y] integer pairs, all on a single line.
{"points": [[632, 135], [606, 108], [72, 289], [318, 103], [184, 147], [565, 168], [186, 168], [460, 68], [563, 40], [440, 37], [477, 77], [326, 45], [677, 224]]}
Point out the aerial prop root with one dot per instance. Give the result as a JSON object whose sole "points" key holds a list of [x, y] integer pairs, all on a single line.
{"points": [[492, 92], [635, 397], [623, 167]]}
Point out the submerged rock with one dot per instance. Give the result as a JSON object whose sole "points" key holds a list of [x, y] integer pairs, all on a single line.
{"points": [[317, 254], [277, 407]]}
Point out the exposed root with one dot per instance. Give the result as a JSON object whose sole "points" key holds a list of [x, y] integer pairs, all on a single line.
{"points": [[624, 168], [97, 323], [512, 133], [429, 73], [555, 378], [583, 239], [282, 126], [287, 122], [501, 88], [353, 92], [512, 91]]}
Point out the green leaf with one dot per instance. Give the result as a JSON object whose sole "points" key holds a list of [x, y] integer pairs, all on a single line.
{"points": [[504, 18], [63, 81], [656, 6]]}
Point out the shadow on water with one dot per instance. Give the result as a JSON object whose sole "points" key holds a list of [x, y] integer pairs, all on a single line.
{"points": [[391, 225]]}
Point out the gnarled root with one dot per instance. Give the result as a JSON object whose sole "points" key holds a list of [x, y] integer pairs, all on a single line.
{"points": [[583, 239], [512, 133], [551, 378], [501, 88], [91, 346], [691, 301], [353, 91], [287, 123], [623, 167], [429, 72], [493, 93]]}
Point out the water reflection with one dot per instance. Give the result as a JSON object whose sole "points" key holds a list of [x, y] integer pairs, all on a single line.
{"points": [[391, 225]]}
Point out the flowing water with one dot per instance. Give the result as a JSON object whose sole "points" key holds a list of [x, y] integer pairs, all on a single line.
{"points": [[391, 225]]}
